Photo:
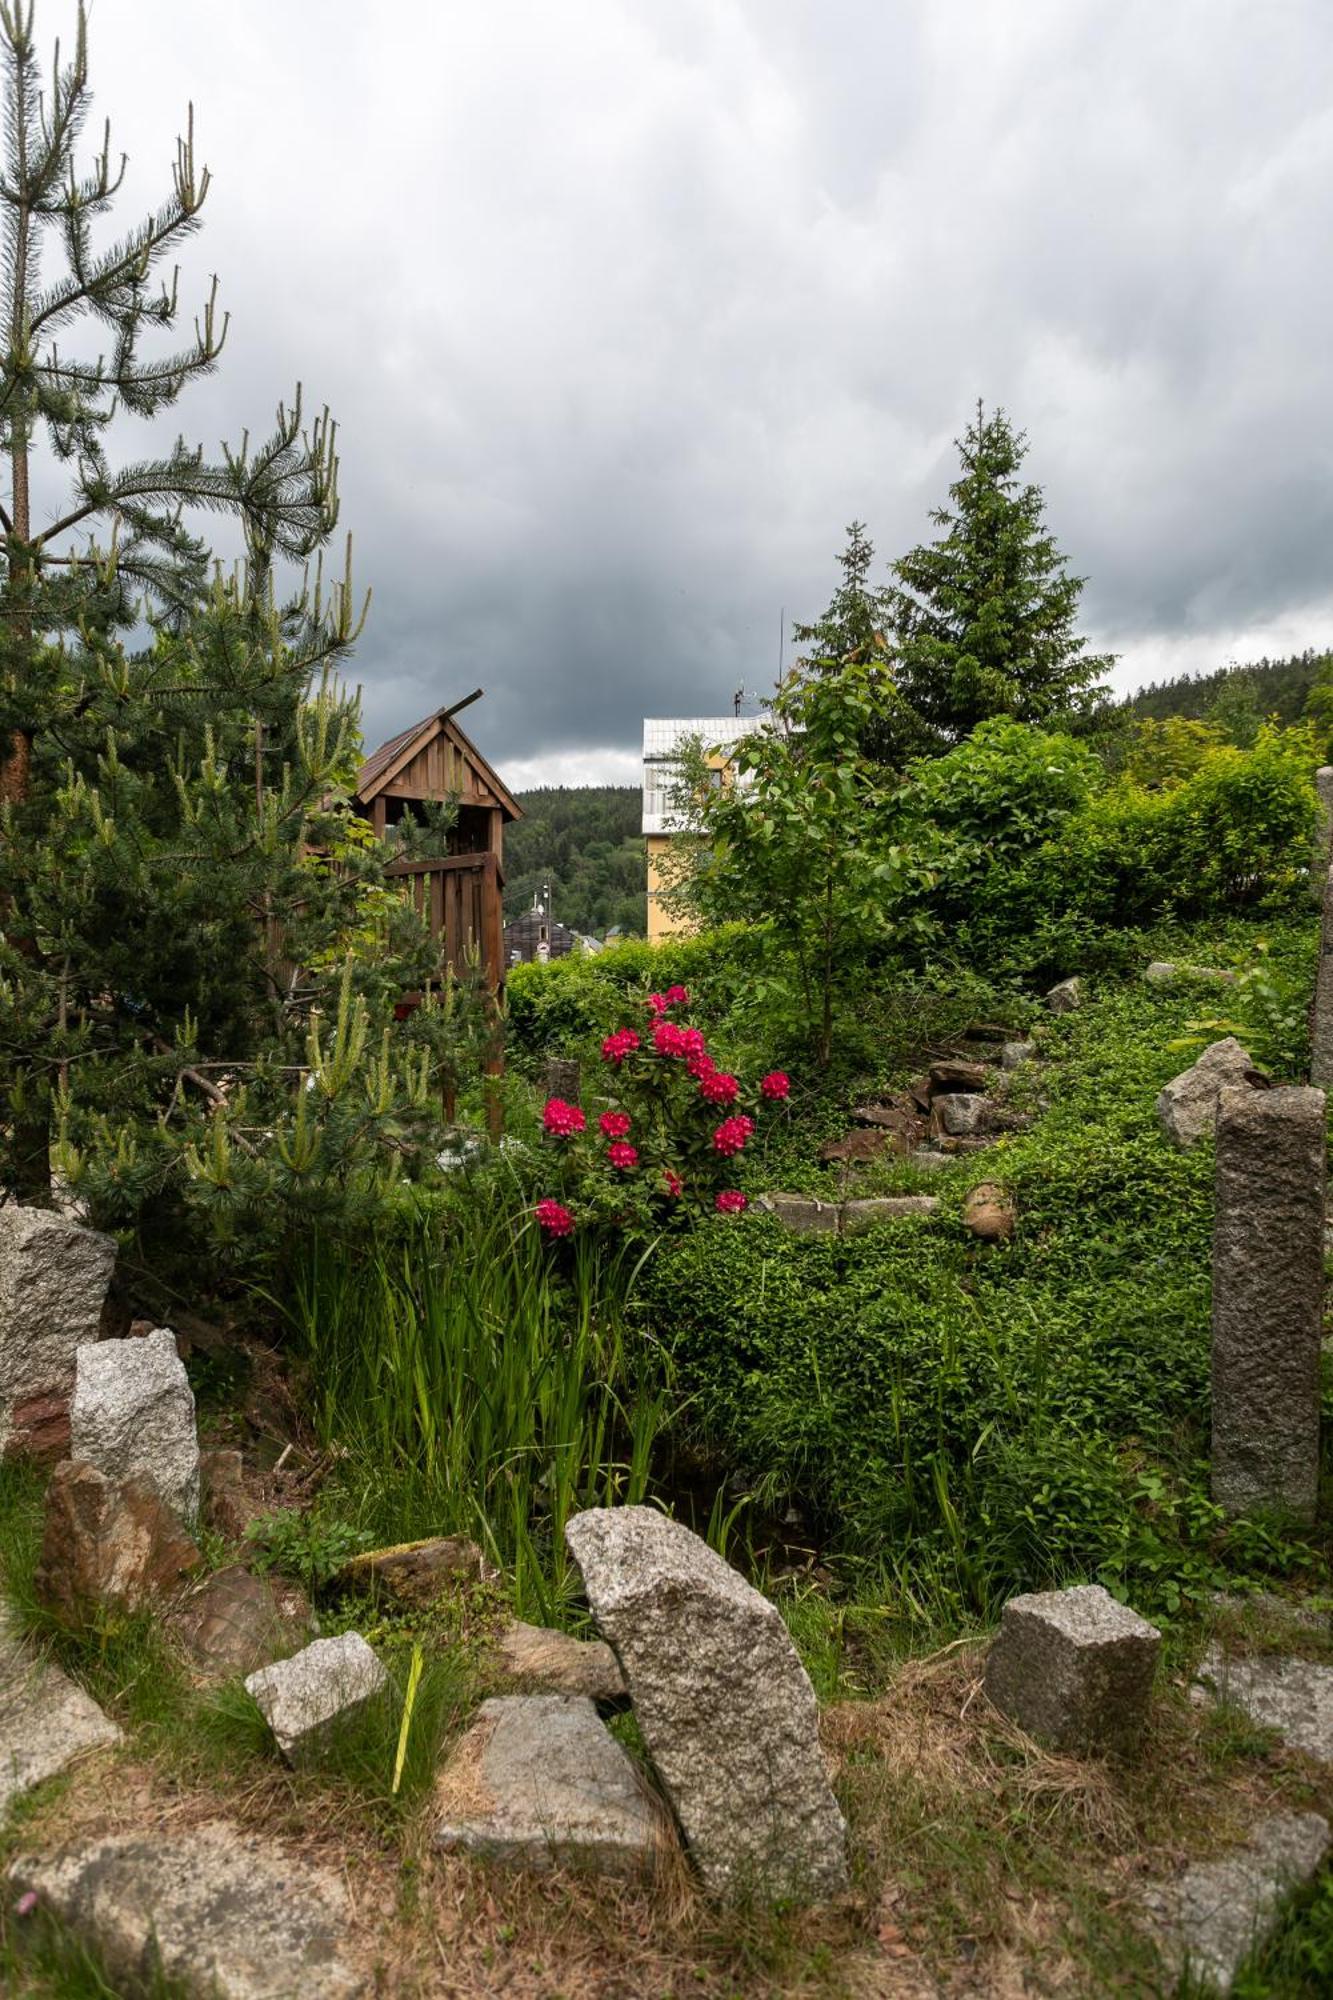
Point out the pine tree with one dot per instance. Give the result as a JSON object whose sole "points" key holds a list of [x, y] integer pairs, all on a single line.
{"points": [[984, 616], [168, 810]]}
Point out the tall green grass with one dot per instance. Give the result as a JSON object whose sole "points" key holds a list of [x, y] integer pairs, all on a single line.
{"points": [[481, 1382]]}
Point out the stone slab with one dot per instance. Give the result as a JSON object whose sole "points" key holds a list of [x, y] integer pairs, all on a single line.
{"points": [[225, 1913], [304, 1698], [726, 1709], [1213, 1915], [539, 1781], [133, 1411], [416, 1573], [53, 1284], [1074, 1668], [804, 1215], [1295, 1697], [1268, 1295], [554, 1663], [46, 1721], [1187, 1106]]}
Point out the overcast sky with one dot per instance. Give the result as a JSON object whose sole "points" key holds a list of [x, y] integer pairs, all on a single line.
{"points": [[626, 307]]}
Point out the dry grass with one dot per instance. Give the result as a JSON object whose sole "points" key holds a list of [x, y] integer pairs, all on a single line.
{"points": [[982, 1864]]}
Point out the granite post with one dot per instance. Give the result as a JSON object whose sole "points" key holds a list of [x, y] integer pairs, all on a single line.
{"points": [[1268, 1285], [1323, 836], [1321, 1012]]}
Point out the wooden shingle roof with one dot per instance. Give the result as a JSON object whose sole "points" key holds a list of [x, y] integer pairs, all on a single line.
{"points": [[392, 761]]}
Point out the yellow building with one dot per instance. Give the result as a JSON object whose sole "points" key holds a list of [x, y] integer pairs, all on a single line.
{"points": [[662, 743]]}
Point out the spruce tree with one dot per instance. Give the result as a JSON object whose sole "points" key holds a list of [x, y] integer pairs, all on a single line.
{"points": [[853, 631], [984, 616]]}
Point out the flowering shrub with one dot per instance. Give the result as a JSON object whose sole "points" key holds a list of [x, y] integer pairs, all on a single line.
{"points": [[658, 1147]]}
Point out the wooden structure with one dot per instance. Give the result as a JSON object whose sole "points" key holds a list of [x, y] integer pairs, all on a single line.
{"points": [[461, 891]]}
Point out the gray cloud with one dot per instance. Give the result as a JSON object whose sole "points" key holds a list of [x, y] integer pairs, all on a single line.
{"points": [[625, 310]]}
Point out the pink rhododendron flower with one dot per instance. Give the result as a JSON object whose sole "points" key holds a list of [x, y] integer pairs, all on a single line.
{"points": [[677, 996], [701, 1064], [668, 1039], [673, 1183], [657, 1003], [719, 1087], [691, 1042], [615, 1124], [730, 1201], [622, 1157], [731, 1135], [776, 1084], [616, 1047], [562, 1120], [554, 1218]]}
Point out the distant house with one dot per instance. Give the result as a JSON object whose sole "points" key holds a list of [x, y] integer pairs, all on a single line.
{"points": [[460, 890], [537, 936], [663, 742]]}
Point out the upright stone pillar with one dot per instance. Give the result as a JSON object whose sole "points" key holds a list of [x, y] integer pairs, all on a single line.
{"points": [[1268, 1284], [1321, 1013], [563, 1078], [1323, 839]]}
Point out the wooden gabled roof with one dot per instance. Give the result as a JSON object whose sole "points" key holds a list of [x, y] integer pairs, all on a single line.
{"points": [[391, 765]]}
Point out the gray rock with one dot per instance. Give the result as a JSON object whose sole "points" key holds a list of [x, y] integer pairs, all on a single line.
{"points": [[927, 1161], [962, 1116], [539, 1780], [989, 1212], [1187, 1106], [727, 1711], [1165, 972], [223, 1912], [306, 1698], [803, 1215], [564, 1078], [1295, 1697], [46, 1722], [1014, 1054], [1213, 1915], [555, 1663], [53, 1284], [858, 1216], [133, 1411], [1074, 1668], [1268, 1293], [1067, 997]]}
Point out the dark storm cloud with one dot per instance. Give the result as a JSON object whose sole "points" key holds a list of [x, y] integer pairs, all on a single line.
{"points": [[626, 307]]}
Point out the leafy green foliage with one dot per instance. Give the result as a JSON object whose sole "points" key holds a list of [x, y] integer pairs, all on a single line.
{"points": [[306, 1546], [967, 1421]]}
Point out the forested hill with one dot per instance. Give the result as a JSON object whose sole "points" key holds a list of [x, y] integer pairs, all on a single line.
{"points": [[585, 841], [1270, 687]]}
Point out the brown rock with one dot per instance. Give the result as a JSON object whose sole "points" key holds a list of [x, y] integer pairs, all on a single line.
{"points": [[39, 1427], [108, 1542], [553, 1663], [854, 1146], [234, 1623], [989, 1212], [416, 1572], [224, 1505], [953, 1077]]}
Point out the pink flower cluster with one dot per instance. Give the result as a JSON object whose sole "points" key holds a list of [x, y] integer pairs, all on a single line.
{"points": [[622, 1157], [775, 1085], [554, 1218], [730, 1201], [562, 1120], [731, 1135], [615, 1124], [616, 1047], [662, 1003], [718, 1086]]}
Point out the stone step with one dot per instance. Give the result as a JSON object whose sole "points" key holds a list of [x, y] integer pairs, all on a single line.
{"points": [[1213, 1914], [46, 1721], [539, 1780], [225, 1914], [1295, 1697]]}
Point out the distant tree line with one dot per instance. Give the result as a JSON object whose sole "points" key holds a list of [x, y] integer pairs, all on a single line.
{"points": [[585, 843]]}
